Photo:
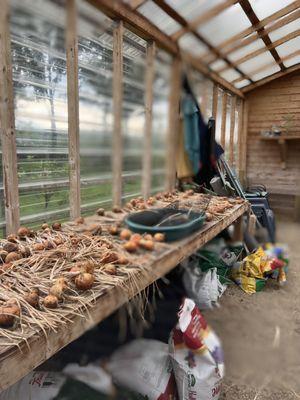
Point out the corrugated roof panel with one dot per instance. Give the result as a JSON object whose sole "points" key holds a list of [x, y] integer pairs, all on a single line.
{"points": [[242, 83], [258, 44], [190, 43], [264, 8], [231, 21], [292, 61], [230, 75], [266, 72], [159, 18], [191, 9], [288, 47], [285, 30], [256, 62]]}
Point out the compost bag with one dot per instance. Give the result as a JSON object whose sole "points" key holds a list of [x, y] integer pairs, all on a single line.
{"points": [[197, 355]]}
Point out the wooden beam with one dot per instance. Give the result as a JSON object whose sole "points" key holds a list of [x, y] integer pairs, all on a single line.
{"points": [[184, 23], [7, 125], [254, 36], [270, 78], [137, 3], [117, 155], [215, 97], [268, 20], [140, 25], [269, 65], [248, 10], [204, 17], [73, 107], [232, 128], [223, 121], [172, 138], [239, 136], [286, 38], [147, 153], [243, 145]]}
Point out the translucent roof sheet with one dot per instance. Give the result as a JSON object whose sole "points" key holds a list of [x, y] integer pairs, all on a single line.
{"points": [[265, 72], [292, 61], [218, 64], [288, 47], [231, 21], [285, 30], [159, 18], [230, 75], [191, 9], [190, 43], [258, 44], [264, 8], [256, 62], [242, 83]]}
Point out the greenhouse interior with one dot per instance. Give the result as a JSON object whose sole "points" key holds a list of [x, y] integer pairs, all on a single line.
{"points": [[150, 199]]}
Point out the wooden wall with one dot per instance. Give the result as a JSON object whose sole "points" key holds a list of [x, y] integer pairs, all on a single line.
{"points": [[267, 106]]}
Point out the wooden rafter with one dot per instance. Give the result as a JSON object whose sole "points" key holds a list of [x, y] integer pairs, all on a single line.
{"points": [[248, 10], [286, 38], [205, 17], [137, 3], [140, 25], [264, 22], [270, 78], [269, 65], [254, 36], [184, 23]]}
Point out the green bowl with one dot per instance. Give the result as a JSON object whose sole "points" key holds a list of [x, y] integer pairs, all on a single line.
{"points": [[146, 221]]}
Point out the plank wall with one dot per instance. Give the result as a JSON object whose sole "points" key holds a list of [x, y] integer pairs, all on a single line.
{"points": [[268, 105]]}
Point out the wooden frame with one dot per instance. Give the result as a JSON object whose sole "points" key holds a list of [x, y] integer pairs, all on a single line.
{"points": [[232, 128], [224, 119], [147, 153], [7, 125], [117, 159], [73, 107]]}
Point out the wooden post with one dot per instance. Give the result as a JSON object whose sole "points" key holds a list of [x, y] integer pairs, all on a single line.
{"points": [[73, 107], [215, 102], [223, 123], [232, 127], [243, 153], [239, 138], [174, 100], [7, 125], [238, 232], [117, 156], [147, 153]]}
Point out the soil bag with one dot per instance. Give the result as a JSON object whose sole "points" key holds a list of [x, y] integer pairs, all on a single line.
{"points": [[197, 356], [144, 366]]}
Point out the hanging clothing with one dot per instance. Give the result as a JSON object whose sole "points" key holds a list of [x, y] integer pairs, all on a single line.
{"points": [[183, 164]]}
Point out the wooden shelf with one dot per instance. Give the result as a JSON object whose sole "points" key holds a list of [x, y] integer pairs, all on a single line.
{"points": [[15, 362], [282, 143]]}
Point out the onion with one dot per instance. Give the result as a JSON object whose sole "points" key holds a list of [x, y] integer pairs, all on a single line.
{"points": [[109, 257], [32, 298], [148, 237], [8, 313], [116, 209], [25, 251], [158, 196], [23, 232], [113, 230], [122, 260], [185, 196], [151, 201], [38, 246], [159, 237], [3, 255], [136, 238], [10, 247], [208, 216], [142, 206], [86, 266], [58, 241], [95, 229], [125, 234], [51, 301], [146, 244], [133, 202], [100, 212], [79, 220], [12, 238], [110, 269], [13, 256], [130, 246], [45, 226], [56, 226], [84, 281], [190, 192], [57, 290]]}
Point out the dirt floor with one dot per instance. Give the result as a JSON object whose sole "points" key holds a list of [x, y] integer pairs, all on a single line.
{"points": [[261, 333]]}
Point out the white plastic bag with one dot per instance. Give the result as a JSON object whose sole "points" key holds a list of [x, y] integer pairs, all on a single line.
{"points": [[37, 385], [144, 366], [197, 356], [204, 288]]}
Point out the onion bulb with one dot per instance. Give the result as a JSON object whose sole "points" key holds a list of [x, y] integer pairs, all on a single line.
{"points": [[56, 226], [125, 234], [95, 229], [109, 257], [113, 230], [10, 247], [117, 209], [57, 290], [159, 237], [100, 212], [84, 281], [122, 260], [38, 246], [190, 192], [32, 298], [8, 314], [146, 244], [51, 301], [110, 269], [148, 237], [45, 226], [23, 232], [208, 216], [13, 256], [130, 246], [3, 255], [136, 238], [79, 220], [12, 238]]}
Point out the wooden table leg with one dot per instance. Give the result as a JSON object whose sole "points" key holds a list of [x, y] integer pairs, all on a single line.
{"points": [[238, 235]]}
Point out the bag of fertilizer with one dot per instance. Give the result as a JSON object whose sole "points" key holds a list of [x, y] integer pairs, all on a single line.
{"points": [[37, 385], [144, 366], [197, 356]]}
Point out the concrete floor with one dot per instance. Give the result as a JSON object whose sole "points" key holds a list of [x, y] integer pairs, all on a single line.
{"points": [[261, 333]]}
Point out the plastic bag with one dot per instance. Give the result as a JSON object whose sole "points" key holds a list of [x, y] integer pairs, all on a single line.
{"points": [[204, 288], [197, 356], [144, 366], [37, 385]]}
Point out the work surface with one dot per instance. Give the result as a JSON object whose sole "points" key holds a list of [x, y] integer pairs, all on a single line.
{"points": [[18, 360]]}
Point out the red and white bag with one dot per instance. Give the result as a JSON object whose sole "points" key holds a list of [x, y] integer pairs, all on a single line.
{"points": [[197, 356]]}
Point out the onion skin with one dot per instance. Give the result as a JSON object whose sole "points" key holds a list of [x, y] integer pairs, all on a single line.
{"points": [[32, 298], [130, 246], [45, 226], [84, 281], [136, 237], [56, 226], [10, 247], [148, 237], [125, 234], [23, 232], [8, 314], [12, 238], [12, 257], [146, 244], [100, 212], [122, 260], [113, 230], [57, 290], [3, 255], [159, 237], [51, 301], [38, 247], [208, 216], [109, 257], [110, 269], [95, 229]]}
